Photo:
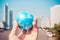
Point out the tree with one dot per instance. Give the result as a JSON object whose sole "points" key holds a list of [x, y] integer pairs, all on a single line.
{"points": [[57, 30]]}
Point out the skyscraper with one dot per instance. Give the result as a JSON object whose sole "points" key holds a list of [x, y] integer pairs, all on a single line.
{"points": [[6, 14], [10, 18]]}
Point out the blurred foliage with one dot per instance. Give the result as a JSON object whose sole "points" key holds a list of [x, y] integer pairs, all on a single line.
{"points": [[57, 29]]}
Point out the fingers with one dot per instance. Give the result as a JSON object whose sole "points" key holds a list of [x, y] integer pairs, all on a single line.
{"points": [[35, 24], [15, 28], [22, 35]]}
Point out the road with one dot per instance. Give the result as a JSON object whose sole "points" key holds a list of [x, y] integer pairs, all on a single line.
{"points": [[41, 35], [4, 34]]}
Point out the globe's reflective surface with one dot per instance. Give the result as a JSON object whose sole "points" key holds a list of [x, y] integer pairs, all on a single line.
{"points": [[24, 20]]}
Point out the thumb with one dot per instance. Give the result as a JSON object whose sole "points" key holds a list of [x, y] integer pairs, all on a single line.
{"points": [[35, 24]]}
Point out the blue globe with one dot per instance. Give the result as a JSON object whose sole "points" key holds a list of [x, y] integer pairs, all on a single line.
{"points": [[24, 20]]}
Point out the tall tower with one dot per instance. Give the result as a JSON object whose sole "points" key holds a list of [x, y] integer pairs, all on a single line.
{"points": [[6, 13], [10, 18]]}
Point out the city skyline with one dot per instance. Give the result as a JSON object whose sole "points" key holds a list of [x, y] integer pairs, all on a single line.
{"points": [[37, 7], [8, 17], [49, 22]]}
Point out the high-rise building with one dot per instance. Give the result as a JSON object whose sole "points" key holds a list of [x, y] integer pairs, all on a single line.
{"points": [[6, 14], [5, 20], [55, 14], [10, 18]]}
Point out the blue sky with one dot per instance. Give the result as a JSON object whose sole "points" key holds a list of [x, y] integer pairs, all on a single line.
{"points": [[37, 7]]}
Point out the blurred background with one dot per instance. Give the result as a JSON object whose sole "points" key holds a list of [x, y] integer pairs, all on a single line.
{"points": [[46, 11]]}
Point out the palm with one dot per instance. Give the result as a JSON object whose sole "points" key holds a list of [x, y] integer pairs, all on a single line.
{"points": [[31, 35]]}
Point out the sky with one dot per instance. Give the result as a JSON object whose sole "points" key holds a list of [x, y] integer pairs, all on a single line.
{"points": [[37, 7]]}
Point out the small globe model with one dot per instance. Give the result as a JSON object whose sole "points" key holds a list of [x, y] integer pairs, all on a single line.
{"points": [[24, 20]]}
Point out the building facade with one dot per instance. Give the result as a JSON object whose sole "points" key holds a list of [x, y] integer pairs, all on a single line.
{"points": [[6, 13], [11, 18], [55, 14]]}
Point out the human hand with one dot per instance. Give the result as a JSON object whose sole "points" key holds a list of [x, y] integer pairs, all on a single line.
{"points": [[31, 35]]}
